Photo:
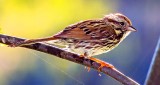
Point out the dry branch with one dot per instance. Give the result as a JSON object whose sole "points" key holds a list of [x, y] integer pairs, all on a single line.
{"points": [[114, 73], [153, 75]]}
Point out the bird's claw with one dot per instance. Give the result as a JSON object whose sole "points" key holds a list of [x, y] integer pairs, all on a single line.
{"points": [[104, 64]]}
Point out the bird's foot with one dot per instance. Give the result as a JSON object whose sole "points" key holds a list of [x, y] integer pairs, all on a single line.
{"points": [[86, 67], [102, 63]]}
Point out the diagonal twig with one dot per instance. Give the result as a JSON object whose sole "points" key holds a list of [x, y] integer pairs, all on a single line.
{"points": [[112, 72], [153, 75]]}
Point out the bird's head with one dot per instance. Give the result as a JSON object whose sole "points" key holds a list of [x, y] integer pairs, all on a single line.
{"points": [[119, 22]]}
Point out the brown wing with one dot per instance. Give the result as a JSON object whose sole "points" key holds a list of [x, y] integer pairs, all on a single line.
{"points": [[86, 30]]}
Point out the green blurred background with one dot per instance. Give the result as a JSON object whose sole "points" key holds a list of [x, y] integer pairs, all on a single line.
{"points": [[41, 18]]}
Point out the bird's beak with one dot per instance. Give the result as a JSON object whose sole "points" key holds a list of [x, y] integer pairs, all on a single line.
{"points": [[131, 28]]}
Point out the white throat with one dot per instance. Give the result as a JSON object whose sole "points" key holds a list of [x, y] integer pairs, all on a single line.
{"points": [[126, 34]]}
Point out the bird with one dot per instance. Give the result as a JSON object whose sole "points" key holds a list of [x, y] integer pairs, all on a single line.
{"points": [[90, 37]]}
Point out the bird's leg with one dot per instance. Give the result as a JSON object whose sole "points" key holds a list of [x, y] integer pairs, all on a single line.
{"points": [[85, 56], [102, 63], [30, 41]]}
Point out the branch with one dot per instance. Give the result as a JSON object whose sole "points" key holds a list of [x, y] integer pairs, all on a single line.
{"points": [[154, 74], [112, 72]]}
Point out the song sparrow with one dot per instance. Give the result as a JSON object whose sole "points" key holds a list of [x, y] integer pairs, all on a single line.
{"points": [[91, 37]]}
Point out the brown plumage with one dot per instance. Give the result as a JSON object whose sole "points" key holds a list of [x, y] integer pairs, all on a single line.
{"points": [[91, 37]]}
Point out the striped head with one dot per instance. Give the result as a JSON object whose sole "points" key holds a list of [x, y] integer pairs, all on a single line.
{"points": [[119, 22]]}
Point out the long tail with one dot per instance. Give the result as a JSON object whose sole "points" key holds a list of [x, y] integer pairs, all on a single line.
{"points": [[40, 40], [30, 41]]}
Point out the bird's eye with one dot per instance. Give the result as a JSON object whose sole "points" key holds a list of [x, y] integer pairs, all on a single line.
{"points": [[122, 23]]}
